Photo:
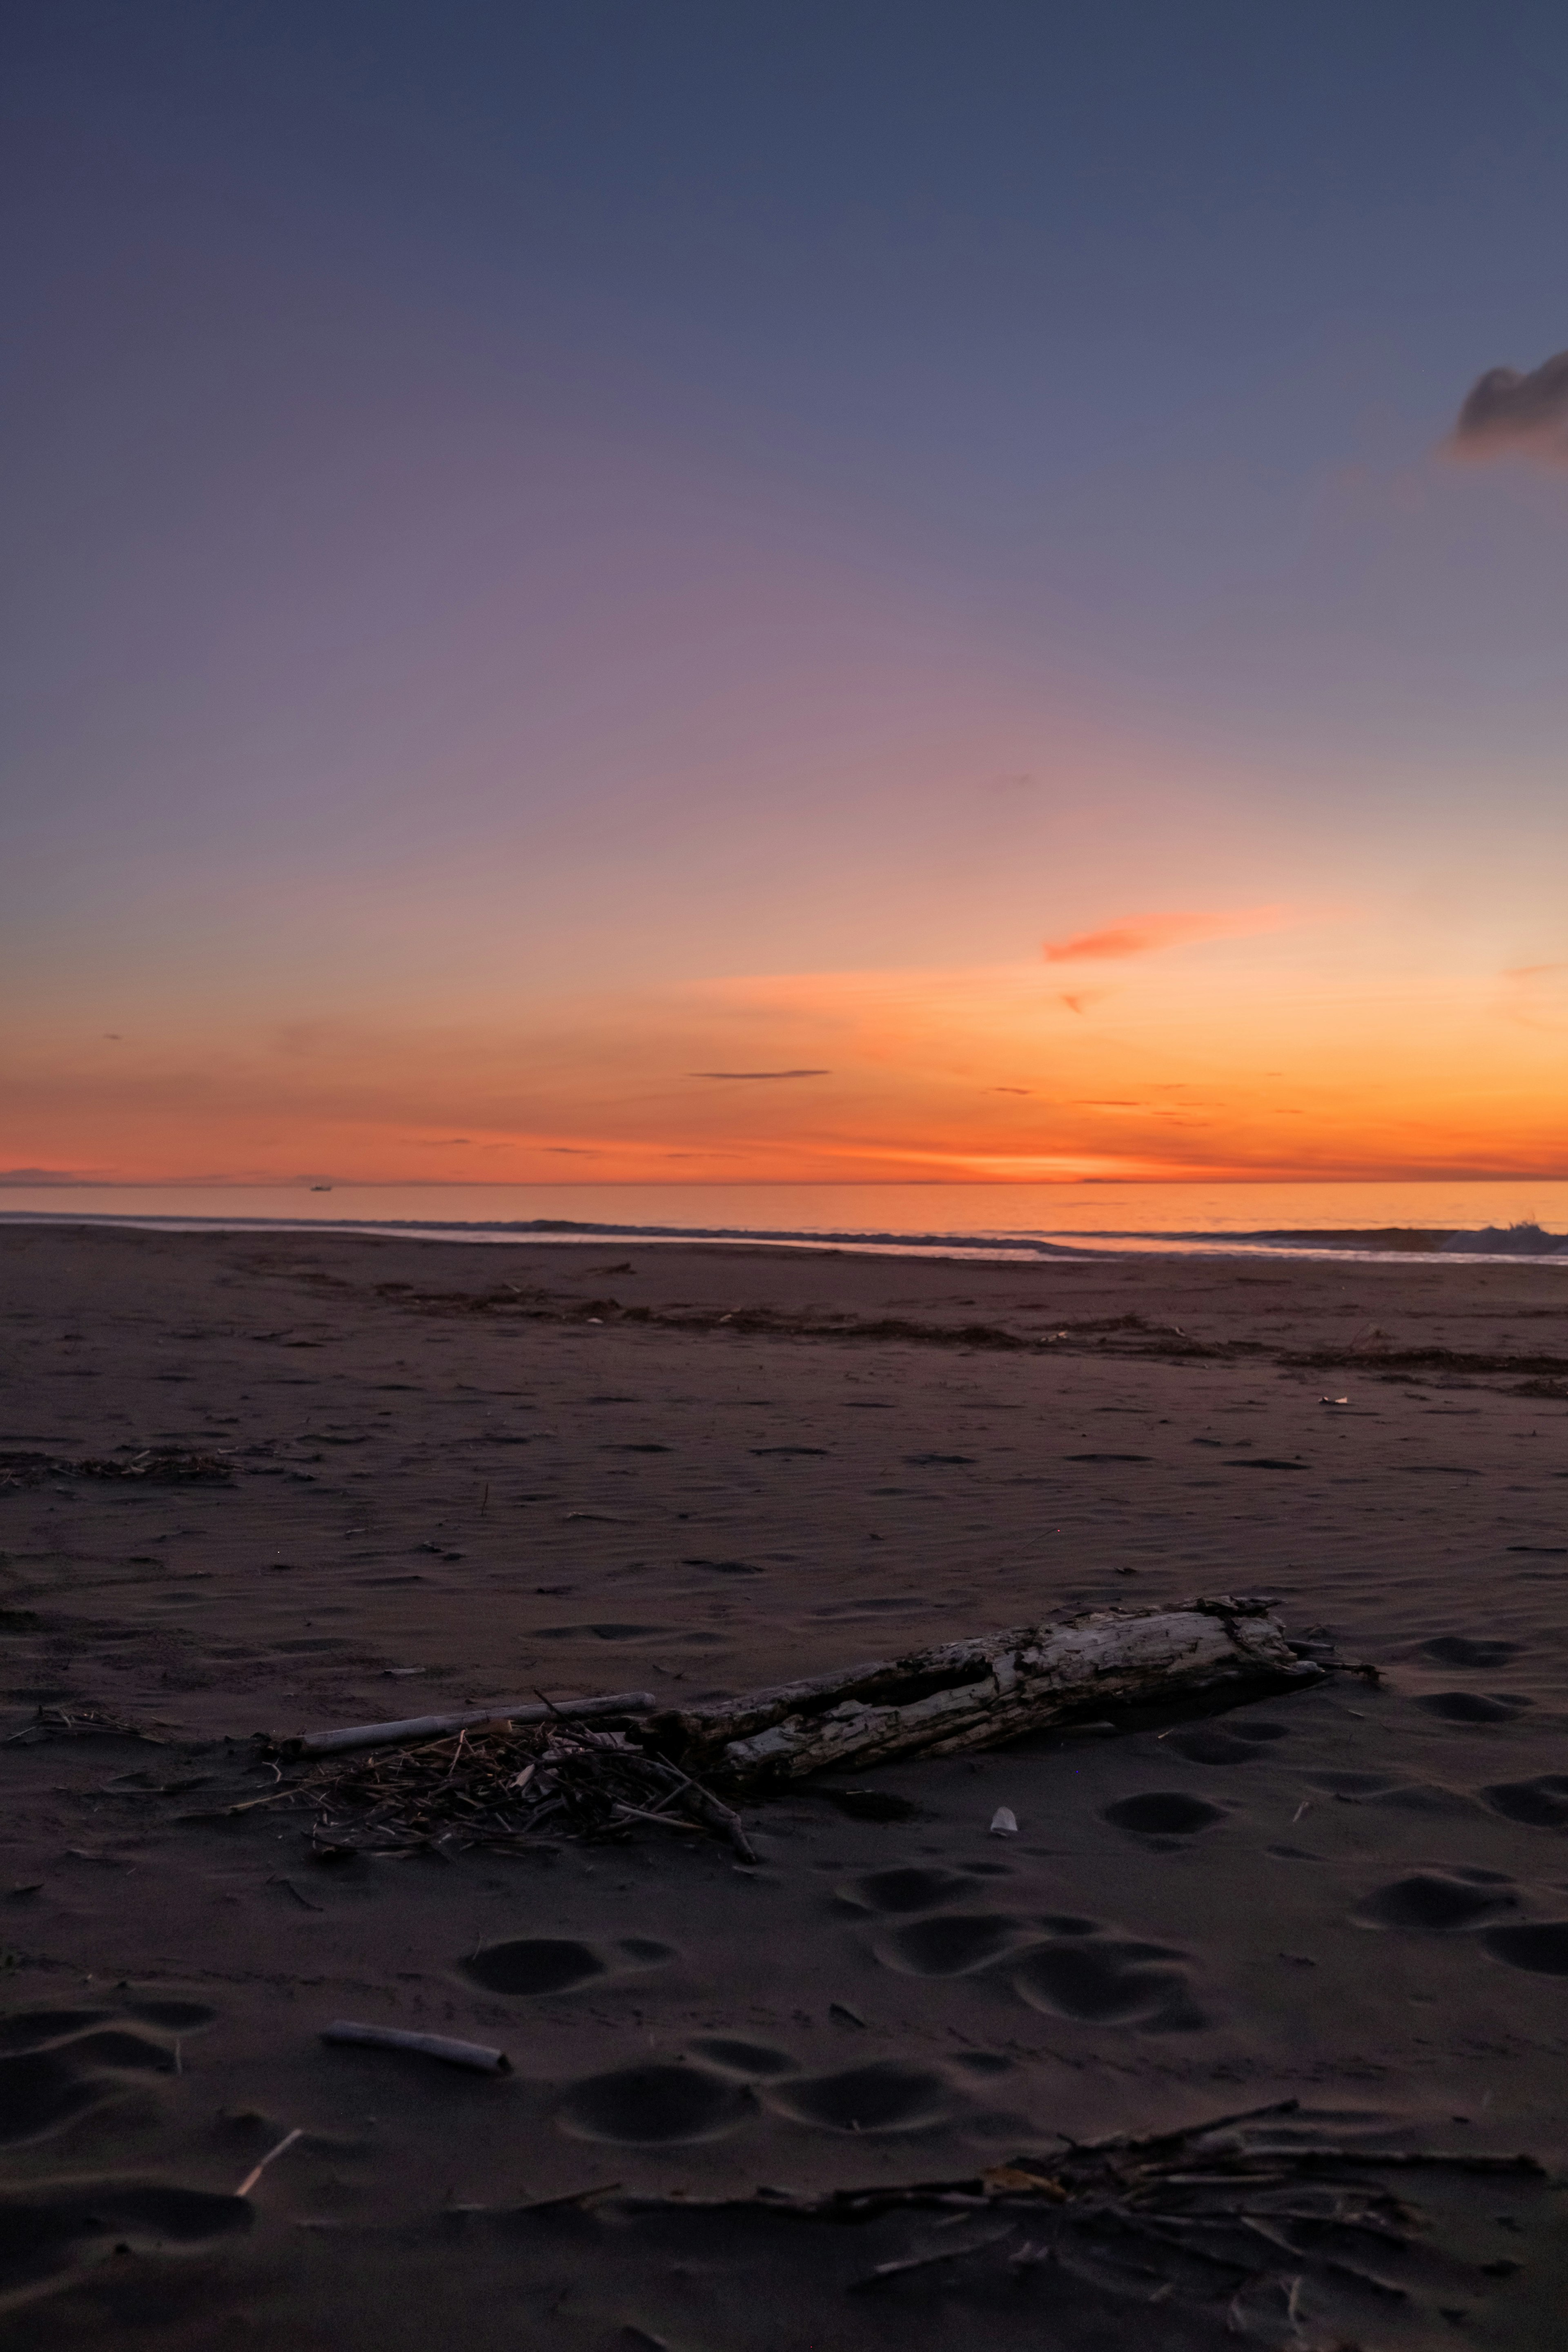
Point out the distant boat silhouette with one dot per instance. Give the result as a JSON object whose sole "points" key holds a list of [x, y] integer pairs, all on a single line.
{"points": [[321, 1188]]}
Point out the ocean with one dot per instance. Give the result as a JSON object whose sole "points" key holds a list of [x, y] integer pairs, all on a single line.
{"points": [[1002, 1222]]}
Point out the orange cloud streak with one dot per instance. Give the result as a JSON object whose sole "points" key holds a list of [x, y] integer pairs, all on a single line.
{"points": [[1138, 935]]}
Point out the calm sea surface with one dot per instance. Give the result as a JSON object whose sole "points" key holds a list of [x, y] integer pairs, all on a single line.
{"points": [[1004, 1222]]}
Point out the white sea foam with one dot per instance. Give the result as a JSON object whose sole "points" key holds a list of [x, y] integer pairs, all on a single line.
{"points": [[1012, 1225], [1523, 1240]]}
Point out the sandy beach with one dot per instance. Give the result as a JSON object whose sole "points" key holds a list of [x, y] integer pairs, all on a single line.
{"points": [[447, 1473]]}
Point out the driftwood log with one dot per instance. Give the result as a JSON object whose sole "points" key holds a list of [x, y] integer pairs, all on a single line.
{"points": [[962, 1695], [980, 1693]]}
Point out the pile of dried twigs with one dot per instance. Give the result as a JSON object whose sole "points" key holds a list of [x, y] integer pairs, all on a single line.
{"points": [[1265, 2218], [507, 1788]]}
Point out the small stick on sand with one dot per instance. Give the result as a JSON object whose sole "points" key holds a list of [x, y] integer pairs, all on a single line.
{"points": [[254, 2175], [433, 1727], [886, 2271], [293, 1890], [583, 2197], [721, 1816], [664, 1821], [475, 2055]]}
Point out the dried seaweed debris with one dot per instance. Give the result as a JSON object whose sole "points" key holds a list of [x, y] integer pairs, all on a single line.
{"points": [[506, 1790], [153, 1466], [1270, 2220]]}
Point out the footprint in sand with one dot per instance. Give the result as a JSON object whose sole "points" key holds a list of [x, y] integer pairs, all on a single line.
{"points": [[656, 2106], [1164, 1813], [540, 1963], [882, 2097], [912, 1889], [1082, 1972], [31, 2029], [1541, 1946], [1110, 1980], [1238, 1743], [755, 2060], [1540, 1803], [1428, 1797], [613, 1631], [1472, 1706], [1438, 1902], [1350, 1784], [46, 2235], [899, 1605], [172, 2016], [952, 1944], [55, 2070], [1462, 1650]]}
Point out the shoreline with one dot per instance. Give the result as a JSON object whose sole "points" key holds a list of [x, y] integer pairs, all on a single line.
{"points": [[1414, 1242]]}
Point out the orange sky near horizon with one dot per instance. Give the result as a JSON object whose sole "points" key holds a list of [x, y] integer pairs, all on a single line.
{"points": [[1164, 1044]]}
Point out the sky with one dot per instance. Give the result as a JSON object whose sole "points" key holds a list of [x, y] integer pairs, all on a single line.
{"points": [[961, 590]]}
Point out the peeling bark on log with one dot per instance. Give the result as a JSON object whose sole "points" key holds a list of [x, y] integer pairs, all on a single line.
{"points": [[982, 1693]]}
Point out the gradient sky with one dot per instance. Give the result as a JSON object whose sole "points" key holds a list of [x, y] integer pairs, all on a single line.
{"points": [[637, 588]]}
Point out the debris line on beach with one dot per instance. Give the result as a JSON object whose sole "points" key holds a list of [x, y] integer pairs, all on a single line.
{"points": [[153, 1466], [508, 1777]]}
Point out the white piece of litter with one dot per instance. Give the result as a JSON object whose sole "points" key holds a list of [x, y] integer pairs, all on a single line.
{"points": [[1003, 1822]]}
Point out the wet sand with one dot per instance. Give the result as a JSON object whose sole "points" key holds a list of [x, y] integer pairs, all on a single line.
{"points": [[463, 1473]]}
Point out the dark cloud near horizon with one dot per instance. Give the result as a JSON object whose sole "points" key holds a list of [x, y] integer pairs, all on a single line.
{"points": [[1508, 413], [760, 1074]]}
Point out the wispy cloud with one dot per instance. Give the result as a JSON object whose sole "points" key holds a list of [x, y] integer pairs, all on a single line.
{"points": [[1537, 995], [760, 1074], [1137, 935], [1508, 413]]}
